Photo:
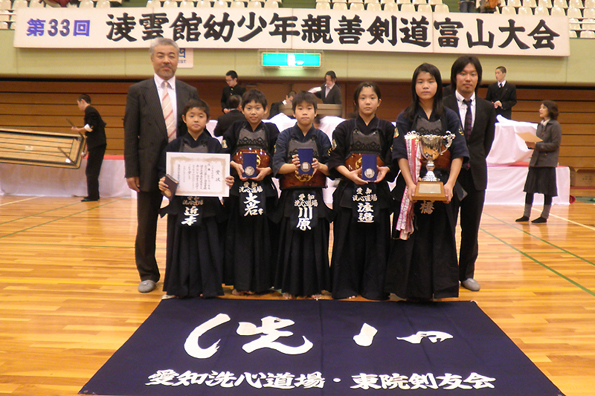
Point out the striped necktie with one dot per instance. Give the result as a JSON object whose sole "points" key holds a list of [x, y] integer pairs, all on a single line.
{"points": [[468, 125], [168, 113]]}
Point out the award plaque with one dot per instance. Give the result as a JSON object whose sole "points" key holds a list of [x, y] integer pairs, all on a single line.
{"points": [[429, 188], [249, 164], [369, 167], [306, 157]]}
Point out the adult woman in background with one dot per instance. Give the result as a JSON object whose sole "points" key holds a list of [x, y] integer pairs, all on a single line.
{"points": [[541, 177]]}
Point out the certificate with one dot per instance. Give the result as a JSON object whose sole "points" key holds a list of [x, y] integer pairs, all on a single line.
{"points": [[198, 174]]}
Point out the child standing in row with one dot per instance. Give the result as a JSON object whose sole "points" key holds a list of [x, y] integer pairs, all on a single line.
{"points": [[423, 259], [362, 223], [194, 259], [303, 265], [250, 240]]}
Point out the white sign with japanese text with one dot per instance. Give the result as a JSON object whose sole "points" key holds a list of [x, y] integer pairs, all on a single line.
{"points": [[198, 174], [297, 29]]}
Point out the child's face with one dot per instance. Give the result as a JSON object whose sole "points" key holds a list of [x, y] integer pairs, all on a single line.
{"points": [[368, 102], [254, 112], [304, 113], [426, 86], [196, 119]]}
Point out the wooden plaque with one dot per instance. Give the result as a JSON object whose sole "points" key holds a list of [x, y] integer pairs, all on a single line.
{"points": [[429, 191]]}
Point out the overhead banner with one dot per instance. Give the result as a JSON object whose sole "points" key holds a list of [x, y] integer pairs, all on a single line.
{"points": [[294, 29]]}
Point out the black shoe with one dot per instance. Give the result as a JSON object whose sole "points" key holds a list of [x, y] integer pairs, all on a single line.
{"points": [[539, 220], [87, 199], [521, 219]]}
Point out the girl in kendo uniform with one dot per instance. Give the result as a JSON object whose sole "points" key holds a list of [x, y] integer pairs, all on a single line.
{"points": [[362, 208], [250, 240], [302, 265], [423, 261], [194, 258]]}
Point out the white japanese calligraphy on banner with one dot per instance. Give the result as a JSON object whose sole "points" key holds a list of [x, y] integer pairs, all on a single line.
{"points": [[297, 29]]}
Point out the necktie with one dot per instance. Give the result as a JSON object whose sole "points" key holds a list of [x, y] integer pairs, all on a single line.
{"points": [[468, 120], [499, 85], [168, 113]]}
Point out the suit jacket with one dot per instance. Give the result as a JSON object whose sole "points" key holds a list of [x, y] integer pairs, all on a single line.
{"points": [[95, 138], [506, 95], [547, 151], [145, 133], [225, 121], [481, 139], [334, 95]]}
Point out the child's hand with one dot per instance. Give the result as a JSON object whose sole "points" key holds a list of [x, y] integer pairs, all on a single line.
{"points": [[381, 173], [356, 177], [262, 173], [229, 181], [163, 188], [295, 160], [239, 169]]}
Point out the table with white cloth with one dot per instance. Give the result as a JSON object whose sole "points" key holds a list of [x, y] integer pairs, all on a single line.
{"points": [[505, 180], [507, 172]]}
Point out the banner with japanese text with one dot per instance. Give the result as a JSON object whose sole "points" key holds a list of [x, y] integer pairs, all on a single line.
{"points": [[213, 347], [294, 29]]}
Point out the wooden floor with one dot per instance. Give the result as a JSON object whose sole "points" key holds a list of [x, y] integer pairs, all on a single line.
{"points": [[69, 300]]}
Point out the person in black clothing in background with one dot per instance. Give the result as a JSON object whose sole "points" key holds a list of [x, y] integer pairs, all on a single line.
{"points": [[233, 88], [94, 130], [502, 94], [226, 120]]}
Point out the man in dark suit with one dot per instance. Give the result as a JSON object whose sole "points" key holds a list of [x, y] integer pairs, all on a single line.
{"points": [[153, 117], [477, 119], [224, 121], [329, 92], [502, 94], [94, 130]]}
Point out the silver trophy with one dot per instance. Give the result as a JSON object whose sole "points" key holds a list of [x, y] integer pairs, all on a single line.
{"points": [[432, 147], [430, 188]]}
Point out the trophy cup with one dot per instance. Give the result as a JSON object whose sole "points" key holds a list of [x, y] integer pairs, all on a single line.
{"points": [[429, 188]]}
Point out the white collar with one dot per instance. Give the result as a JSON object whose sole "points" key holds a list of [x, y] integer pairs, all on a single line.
{"points": [[460, 97], [159, 81]]}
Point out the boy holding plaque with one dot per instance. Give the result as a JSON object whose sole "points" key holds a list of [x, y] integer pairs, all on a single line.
{"points": [[194, 260], [300, 163], [362, 202], [423, 260], [250, 240]]}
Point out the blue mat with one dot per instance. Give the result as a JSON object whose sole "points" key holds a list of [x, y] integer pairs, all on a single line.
{"points": [[257, 347]]}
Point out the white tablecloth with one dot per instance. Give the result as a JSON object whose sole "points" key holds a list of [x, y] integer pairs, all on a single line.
{"points": [[508, 147], [62, 182]]}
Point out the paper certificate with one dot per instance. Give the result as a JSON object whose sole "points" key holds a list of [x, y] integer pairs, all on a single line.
{"points": [[198, 174]]}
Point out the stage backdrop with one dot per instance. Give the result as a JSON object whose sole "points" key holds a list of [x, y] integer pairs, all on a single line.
{"points": [[307, 347]]}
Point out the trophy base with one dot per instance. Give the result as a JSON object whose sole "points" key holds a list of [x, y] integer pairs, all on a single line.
{"points": [[429, 191]]}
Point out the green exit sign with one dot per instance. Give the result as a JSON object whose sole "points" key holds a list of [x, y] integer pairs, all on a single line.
{"points": [[277, 59]]}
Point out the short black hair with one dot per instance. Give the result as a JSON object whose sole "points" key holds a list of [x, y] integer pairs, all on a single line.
{"points": [[234, 101], [84, 97], [502, 69], [254, 95], [332, 74], [302, 97], [460, 64], [198, 104], [552, 109], [232, 74]]}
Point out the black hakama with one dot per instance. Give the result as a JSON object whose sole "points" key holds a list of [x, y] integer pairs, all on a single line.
{"points": [[250, 248], [302, 261], [194, 262]]}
